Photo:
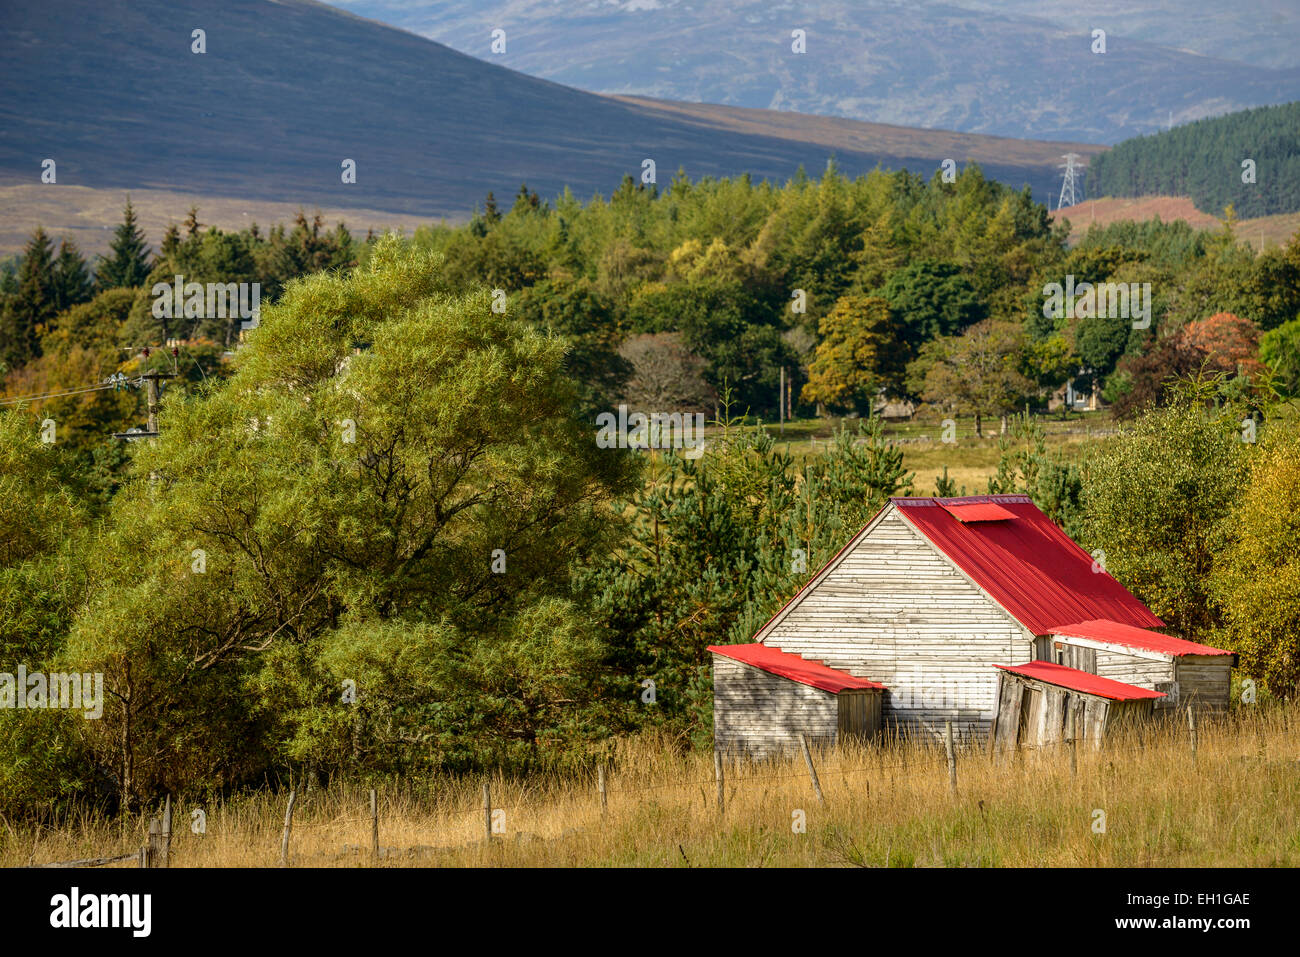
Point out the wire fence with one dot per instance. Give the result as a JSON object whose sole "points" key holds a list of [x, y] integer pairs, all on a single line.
{"points": [[753, 775]]}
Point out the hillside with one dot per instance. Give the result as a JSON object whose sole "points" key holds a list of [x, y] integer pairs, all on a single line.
{"points": [[1261, 232], [1250, 160], [288, 90], [1023, 72]]}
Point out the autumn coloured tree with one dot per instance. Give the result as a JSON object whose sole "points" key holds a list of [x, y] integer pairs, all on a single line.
{"points": [[857, 357]]}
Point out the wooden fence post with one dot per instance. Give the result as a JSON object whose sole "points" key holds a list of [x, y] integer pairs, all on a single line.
{"points": [[151, 849], [1191, 727], [288, 828], [812, 771], [487, 813], [1074, 744], [374, 826], [167, 833], [717, 775], [952, 758], [600, 786]]}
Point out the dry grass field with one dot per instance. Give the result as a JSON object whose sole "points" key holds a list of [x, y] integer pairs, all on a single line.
{"points": [[1235, 803], [1264, 232]]}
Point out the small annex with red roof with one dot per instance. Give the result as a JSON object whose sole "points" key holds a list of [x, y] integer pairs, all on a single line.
{"points": [[765, 700], [933, 591]]}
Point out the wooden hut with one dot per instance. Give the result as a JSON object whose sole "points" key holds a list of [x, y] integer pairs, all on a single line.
{"points": [[1187, 672], [1041, 704], [932, 591], [765, 699]]}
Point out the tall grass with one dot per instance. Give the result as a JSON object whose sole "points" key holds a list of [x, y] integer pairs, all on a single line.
{"points": [[1236, 804]]}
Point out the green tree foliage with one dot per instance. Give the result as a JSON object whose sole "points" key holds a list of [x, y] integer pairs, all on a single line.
{"points": [[932, 299], [1203, 160], [127, 264], [72, 284], [979, 373], [1280, 350], [42, 577], [32, 304], [1256, 575], [857, 357], [403, 517], [1154, 501]]}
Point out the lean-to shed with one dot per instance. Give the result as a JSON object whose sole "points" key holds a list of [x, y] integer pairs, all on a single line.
{"points": [[1041, 704], [764, 699], [1187, 672]]}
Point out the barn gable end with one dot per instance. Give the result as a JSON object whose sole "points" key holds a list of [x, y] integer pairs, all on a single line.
{"points": [[892, 608]]}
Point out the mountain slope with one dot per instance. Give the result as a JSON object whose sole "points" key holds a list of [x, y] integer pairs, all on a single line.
{"points": [[921, 63], [288, 90]]}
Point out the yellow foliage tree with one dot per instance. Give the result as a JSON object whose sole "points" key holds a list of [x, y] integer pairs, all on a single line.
{"points": [[858, 354]]}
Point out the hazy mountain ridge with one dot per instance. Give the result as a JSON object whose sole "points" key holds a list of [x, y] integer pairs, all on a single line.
{"points": [[930, 65], [288, 90]]}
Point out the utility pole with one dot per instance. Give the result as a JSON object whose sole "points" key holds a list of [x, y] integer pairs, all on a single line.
{"points": [[151, 382], [781, 401]]}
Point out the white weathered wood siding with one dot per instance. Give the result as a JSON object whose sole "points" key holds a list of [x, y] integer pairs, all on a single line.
{"points": [[1204, 681], [1035, 714], [1141, 671], [760, 714], [896, 611]]}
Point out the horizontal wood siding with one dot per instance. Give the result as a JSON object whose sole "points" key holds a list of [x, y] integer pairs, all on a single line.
{"points": [[1204, 681], [1132, 670], [761, 714], [897, 612]]}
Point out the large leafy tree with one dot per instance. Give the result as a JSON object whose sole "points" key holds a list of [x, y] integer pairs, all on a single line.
{"points": [[979, 373], [1256, 576], [1154, 501], [858, 355], [401, 516]]}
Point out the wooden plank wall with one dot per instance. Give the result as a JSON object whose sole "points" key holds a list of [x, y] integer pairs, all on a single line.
{"points": [[760, 714], [895, 611], [1130, 669], [1033, 714], [859, 715], [1204, 681]]}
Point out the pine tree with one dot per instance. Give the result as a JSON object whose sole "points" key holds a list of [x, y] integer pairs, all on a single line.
{"points": [[128, 263], [32, 305], [171, 244], [72, 283]]}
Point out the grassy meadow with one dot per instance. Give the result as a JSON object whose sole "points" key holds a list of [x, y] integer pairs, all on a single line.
{"points": [[1235, 803]]}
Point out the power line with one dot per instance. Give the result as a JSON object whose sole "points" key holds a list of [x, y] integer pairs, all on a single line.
{"points": [[55, 395]]}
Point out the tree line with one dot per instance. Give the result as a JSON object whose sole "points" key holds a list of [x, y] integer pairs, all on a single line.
{"points": [[1248, 160], [380, 538]]}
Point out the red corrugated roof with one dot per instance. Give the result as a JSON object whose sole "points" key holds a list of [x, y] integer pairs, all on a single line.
{"points": [[979, 512], [1127, 635], [1027, 564], [1076, 680], [775, 661]]}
